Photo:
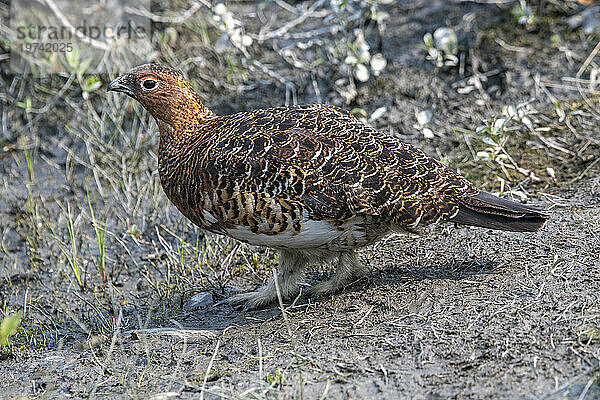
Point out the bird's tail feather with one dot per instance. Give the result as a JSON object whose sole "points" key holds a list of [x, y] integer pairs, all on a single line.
{"points": [[488, 211]]}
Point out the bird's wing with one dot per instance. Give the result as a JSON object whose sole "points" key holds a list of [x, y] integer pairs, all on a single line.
{"points": [[334, 166], [276, 158]]}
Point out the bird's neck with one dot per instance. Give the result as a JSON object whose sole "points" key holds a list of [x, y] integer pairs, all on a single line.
{"points": [[181, 119]]}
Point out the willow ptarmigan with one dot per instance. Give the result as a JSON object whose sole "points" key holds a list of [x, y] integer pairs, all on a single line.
{"points": [[311, 181]]}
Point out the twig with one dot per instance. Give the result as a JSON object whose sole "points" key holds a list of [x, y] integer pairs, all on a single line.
{"points": [[571, 381], [585, 171], [286, 6], [111, 349], [289, 329], [101, 316], [587, 61], [183, 351], [578, 136], [364, 316], [567, 87], [40, 113], [587, 388], [553, 145], [285, 28], [260, 360], [493, 72], [488, 1], [271, 73], [581, 70], [210, 363], [510, 47]]}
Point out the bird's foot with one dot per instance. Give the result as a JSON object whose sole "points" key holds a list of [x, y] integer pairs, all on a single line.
{"points": [[332, 286], [324, 288], [252, 300], [349, 271]]}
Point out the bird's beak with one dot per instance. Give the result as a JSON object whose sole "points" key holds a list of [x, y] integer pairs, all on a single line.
{"points": [[118, 86]]}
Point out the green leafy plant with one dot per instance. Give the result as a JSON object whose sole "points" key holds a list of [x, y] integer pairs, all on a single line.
{"points": [[100, 236], [276, 377], [91, 83], [523, 13], [494, 136], [441, 47], [9, 326], [28, 159], [71, 255], [592, 334], [25, 104]]}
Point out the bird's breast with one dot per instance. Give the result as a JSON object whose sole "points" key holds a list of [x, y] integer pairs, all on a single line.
{"points": [[264, 220]]}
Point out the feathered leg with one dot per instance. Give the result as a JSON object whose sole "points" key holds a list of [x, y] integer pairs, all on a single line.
{"points": [[290, 271], [349, 269]]}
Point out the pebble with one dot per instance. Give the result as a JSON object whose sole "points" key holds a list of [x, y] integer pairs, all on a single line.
{"points": [[378, 63], [200, 300], [424, 117], [428, 133], [361, 73]]}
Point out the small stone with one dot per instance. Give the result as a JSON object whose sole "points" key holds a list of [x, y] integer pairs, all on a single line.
{"points": [[483, 155], [378, 63], [54, 359], [378, 113], [465, 90], [361, 45], [424, 117], [346, 90], [428, 133], [351, 60], [246, 40], [510, 111], [166, 396], [361, 72], [200, 300], [527, 122], [229, 22], [220, 9], [235, 36]]}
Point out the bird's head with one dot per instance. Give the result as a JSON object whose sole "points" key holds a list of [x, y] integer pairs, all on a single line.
{"points": [[164, 92]]}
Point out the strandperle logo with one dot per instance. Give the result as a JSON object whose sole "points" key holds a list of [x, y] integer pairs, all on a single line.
{"points": [[53, 33], [45, 33]]}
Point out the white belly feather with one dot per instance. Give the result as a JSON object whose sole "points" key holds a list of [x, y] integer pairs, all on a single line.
{"points": [[314, 234]]}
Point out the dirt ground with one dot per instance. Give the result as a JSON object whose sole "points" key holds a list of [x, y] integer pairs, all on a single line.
{"points": [[456, 312]]}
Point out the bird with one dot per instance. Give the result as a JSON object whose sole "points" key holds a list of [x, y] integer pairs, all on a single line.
{"points": [[311, 181]]}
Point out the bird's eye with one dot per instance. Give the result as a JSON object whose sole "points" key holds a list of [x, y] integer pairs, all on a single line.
{"points": [[149, 84]]}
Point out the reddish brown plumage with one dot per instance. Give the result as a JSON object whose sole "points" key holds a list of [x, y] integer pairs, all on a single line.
{"points": [[310, 179]]}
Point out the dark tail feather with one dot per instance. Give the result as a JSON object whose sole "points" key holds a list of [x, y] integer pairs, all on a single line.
{"points": [[488, 211]]}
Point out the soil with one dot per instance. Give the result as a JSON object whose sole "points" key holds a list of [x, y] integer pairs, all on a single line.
{"points": [[455, 312]]}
